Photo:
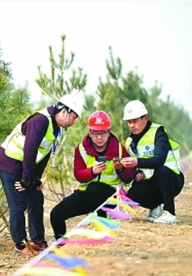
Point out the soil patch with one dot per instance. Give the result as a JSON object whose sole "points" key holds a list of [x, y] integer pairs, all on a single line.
{"points": [[140, 248]]}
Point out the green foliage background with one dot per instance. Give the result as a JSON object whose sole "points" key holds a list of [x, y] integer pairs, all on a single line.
{"points": [[111, 94]]}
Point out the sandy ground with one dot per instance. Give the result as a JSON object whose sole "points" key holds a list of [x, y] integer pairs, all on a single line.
{"points": [[140, 248]]}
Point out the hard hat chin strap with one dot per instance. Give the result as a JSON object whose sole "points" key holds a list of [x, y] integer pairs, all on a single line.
{"points": [[67, 119]]}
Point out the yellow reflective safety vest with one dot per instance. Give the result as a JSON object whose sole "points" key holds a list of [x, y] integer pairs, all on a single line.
{"points": [[14, 143], [145, 149], [108, 176]]}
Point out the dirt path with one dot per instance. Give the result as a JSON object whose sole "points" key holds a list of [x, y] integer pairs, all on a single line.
{"points": [[141, 248]]}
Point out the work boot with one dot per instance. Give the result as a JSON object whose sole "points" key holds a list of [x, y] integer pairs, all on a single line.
{"points": [[39, 246], [25, 251], [155, 213]]}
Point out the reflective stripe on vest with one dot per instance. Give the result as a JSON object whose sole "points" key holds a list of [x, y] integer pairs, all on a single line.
{"points": [[108, 176], [14, 143], [145, 149]]}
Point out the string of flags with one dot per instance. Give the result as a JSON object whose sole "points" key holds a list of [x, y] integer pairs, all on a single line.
{"points": [[54, 261]]}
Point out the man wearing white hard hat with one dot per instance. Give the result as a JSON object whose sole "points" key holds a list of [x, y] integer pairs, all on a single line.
{"points": [[157, 159], [23, 157]]}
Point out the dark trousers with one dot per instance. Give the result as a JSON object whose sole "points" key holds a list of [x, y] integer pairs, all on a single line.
{"points": [[18, 202], [79, 203], [161, 188]]}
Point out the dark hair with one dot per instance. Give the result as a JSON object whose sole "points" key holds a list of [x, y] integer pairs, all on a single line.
{"points": [[143, 116], [59, 106]]}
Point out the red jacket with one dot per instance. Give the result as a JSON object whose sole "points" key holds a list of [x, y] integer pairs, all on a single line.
{"points": [[84, 174]]}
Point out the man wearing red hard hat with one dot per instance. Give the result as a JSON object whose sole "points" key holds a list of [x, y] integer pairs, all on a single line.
{"points": [[95, 170]]}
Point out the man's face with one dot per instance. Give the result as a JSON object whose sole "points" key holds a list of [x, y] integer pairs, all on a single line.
{"points": [[137, 125], [99, 138], [65, 119]]}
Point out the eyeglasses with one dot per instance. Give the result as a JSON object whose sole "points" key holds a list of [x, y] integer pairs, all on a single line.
{"points": [[99, 133]]}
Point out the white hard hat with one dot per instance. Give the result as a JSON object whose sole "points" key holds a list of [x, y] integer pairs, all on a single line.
{"points": [[73, 101], [134, 109]]}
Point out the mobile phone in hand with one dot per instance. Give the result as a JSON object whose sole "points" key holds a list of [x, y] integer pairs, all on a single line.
{"points": [[102, 159], [117, 160]]}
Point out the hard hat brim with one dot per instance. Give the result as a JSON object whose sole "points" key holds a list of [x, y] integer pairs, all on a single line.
{"points": [[98, 128], [126, 118]]}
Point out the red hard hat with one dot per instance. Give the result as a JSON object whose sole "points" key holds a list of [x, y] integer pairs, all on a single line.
{"points": [[99, 120]]}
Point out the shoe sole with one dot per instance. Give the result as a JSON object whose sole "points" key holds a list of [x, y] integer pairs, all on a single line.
{"points": [[171, 223], [19, 253], [150, 219]]}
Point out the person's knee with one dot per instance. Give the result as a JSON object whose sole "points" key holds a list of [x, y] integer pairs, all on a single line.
{"points": [[132, 194], [163, 175], [18, 207], [97, 193], [179, 184], [55, 213], [129, 193], [139, 191], [99, 188], [94, 186]]}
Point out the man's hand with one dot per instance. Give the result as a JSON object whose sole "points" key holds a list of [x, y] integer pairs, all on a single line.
{"points": [[98, 167], [117, 164], [37, 181], [39, 188], [19, 187], [129, 162], [140, 176]]}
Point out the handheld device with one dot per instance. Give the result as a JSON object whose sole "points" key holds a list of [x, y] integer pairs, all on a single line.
{"points": [[102, 159], [117, 159]]}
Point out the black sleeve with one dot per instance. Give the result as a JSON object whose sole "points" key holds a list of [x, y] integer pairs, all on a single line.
{"points": [[161, 149], [41, 166]]}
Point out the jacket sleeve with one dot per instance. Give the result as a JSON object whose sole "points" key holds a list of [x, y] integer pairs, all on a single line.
{"points": [[161, 150], [81, 172], [128, 174], [41, 166]]}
